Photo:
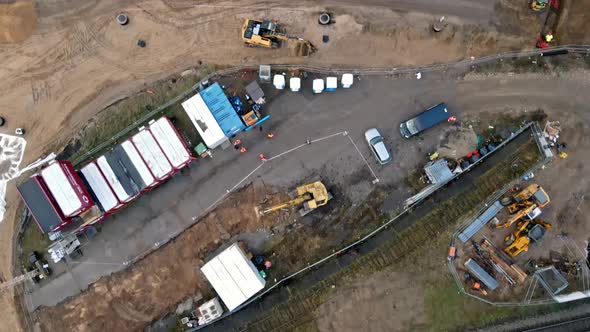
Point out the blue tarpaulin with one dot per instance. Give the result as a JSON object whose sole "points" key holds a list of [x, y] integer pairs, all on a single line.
{"points": [[222, 110]]}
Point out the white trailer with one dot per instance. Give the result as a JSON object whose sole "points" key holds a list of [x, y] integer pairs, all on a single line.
{"points": [[203, 120], [98, 184], [66, 188], [113, 181], [139, 163], [169, 140], [153, 155], [233, 276]]}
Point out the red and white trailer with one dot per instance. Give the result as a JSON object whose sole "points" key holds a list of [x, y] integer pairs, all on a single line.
{"points": [[67, 188], [153, 155], [171, 143], [105, 197], [139, 164]]}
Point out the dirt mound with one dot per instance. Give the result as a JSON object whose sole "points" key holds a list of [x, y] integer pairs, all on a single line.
{"points": [[17, 21], [131, 299]]}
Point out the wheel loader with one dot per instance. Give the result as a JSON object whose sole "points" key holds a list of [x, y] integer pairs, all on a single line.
{"points": [[310, 196], [265, 34], [525, 233]]}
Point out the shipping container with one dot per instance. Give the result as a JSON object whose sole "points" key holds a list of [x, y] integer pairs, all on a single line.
{"points": [[98, 185], [139, 164], [150, 151], [66, 188], [121, 188], [222, 110], [171, 143]]}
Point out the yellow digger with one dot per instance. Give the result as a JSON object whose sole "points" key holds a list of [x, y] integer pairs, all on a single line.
{"points": [[310, 196], [526, 203], [525, 233], [257, 33], [529, 212]]}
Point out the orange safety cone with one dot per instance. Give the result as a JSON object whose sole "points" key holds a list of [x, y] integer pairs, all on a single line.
{"points": [[243, 149], [270, 135]]}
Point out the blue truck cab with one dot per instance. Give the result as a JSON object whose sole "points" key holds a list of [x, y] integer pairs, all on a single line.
{"points": [[427, 119]]}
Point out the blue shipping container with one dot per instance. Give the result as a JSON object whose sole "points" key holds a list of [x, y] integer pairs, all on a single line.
{"points": [[222, 110]]}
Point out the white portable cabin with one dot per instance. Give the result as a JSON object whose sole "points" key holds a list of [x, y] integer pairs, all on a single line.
{"points": [[347, 80], [150, 151], [63, 187], [295, 84], [112, 180], [203, 120], [318, 85], [233, 276], [331, 83], [279, 81], [139, 164], [169, 140], [101, 189]]}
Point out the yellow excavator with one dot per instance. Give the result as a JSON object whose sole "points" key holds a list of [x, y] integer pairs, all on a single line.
{"points": [[526, 203], [534, 193], [310, 196], [530, 212], [257, 33], [525, 233]]}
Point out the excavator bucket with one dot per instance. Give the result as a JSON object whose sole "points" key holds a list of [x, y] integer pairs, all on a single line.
{"points": [[303, 48]]}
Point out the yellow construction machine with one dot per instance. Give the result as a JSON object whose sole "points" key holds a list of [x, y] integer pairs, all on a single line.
{"points": [[529, 212], [310, 196], [525, 233], [526, 203], [265, 34]]}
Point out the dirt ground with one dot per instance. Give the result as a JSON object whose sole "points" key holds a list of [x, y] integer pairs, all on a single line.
{"points": [[368, 303], [155, 285], [69, 59]]}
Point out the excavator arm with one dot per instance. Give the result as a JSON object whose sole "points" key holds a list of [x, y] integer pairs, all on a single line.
{"points": [[296, 201]]}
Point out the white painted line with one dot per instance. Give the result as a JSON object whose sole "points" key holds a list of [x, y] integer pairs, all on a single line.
{"points": [[365, 160], [343, 133], [246, 177], [288, 151]]}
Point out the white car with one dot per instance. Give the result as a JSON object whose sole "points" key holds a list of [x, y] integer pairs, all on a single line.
{"points": [[375, 141]]}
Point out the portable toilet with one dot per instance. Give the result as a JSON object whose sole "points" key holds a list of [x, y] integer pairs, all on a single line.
{"points": [[279, 81], [295, 84], [347, 80], [331, 83], [264, 73], [318, 85]]}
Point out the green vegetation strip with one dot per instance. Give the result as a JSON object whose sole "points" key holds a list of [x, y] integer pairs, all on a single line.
{"points": [[302, 305]]}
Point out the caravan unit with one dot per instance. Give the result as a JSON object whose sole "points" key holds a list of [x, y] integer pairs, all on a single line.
{"points": [[150, 151], [171, 143]]}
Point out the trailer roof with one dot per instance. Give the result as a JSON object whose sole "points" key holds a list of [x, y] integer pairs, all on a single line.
{"points": [[105, 197], [222, 110], [112, 179], [233, 276], [42, 208], [203, 120], [138, 163], [61, 189], [167, 136], [255, 92], [151, 152]]}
